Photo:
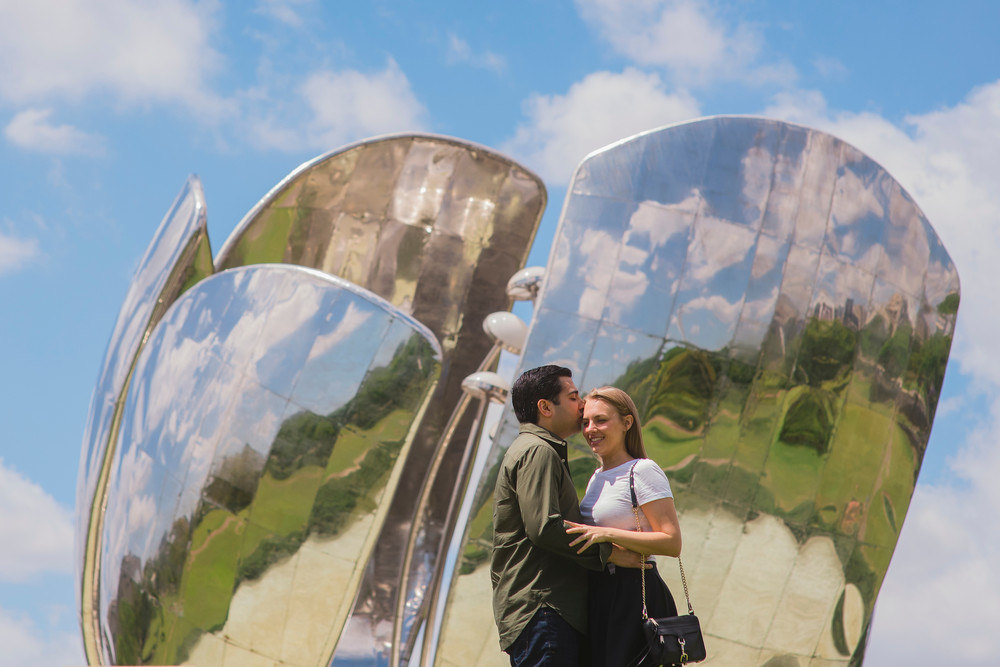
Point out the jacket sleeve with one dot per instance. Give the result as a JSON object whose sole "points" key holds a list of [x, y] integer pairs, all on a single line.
{"points": [[538, 497]]}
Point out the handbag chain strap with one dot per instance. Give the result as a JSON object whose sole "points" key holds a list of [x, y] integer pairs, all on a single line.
{"points": [[638, 528]]}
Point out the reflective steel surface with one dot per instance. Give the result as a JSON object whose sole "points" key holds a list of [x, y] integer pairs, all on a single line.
{"points": [[433, 225], [781, 312], [269, 413], [178, 256]]}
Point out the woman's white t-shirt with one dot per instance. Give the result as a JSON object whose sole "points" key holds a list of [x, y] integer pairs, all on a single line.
{"points": [[608, 502]]}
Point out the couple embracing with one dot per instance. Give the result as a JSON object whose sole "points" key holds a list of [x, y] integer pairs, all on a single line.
{"points": [[566, 574]]}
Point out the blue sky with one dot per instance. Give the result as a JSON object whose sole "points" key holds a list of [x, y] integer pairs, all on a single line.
{"points": [[106, 106]]}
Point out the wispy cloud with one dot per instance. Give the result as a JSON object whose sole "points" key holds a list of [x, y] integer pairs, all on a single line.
{"points": [[686, 38], [137, 51], [24, 643], [36, 534], [561, 130], [459, 52], [32, 130], [335, 107], [285, 11], [15, 253]]}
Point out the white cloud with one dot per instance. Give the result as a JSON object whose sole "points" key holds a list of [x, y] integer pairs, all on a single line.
{"points": [[32, 130], [686, 37], [459, 51], [945, 567], [283, 10], [830, 68], [342, 106], [602, 108], [36, 534], [26, 644], [15, 253], [139, 51]]}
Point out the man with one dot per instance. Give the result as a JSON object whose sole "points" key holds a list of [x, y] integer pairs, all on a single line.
{"points": [[539, 581]]}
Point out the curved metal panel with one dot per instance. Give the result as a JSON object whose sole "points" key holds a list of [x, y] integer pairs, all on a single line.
{"points": [[265, 427], [177, 257], [436, 226], [781, 312]]}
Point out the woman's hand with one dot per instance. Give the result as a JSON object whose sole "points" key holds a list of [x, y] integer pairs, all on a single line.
{"points": [[589, 535]]}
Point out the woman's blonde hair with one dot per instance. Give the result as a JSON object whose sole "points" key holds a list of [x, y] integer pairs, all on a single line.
{"points": [[623, 405]]}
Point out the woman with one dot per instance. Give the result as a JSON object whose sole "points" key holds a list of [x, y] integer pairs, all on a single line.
{"points": [[611, 427]]}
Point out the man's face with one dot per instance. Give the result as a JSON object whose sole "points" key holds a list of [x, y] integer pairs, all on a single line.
{"points": [[567, 413]]}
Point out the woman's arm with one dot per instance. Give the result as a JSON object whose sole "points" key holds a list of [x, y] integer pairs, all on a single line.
{"points": [[664, 538]]}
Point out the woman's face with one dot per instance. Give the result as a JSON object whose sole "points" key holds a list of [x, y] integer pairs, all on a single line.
{"points": [[605, 429]]}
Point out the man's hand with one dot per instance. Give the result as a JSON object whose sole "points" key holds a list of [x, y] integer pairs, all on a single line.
{"points": [[622, 557]]}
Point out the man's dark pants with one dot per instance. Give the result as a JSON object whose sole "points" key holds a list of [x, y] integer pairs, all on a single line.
{"points": [[547, 640]]}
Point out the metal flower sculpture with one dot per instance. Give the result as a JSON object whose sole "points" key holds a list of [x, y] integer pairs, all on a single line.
{"points": [[782, 312], [299, 397], [281, 440]]}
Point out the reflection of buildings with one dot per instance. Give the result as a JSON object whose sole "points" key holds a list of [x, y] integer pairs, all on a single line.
{"points": [[850, 314], [896, 312]]}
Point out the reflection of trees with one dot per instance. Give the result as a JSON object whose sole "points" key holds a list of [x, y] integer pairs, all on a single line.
{"points": [[809, 419], [893, 354], [141, 629], [683, 387], [828, 349], [768, 415], [927, 363]]}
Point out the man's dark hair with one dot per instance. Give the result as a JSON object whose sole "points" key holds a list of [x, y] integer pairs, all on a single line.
{"points": [[534, 385]]}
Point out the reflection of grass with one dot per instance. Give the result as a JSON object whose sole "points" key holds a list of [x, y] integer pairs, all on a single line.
{"points": [[724, 430], [227, 548], [892, 493], [791, 474], [854, 461], [302, 491], [668, 444], [266, 241], [282, 506], [207, 584]]}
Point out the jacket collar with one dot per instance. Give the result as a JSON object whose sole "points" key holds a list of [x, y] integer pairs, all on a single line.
{"points": [[558, 444]]}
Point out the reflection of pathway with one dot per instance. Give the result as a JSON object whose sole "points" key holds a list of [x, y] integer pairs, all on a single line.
{"points": [[212, 535], [753, 587], [294, 612], [674, 426]]}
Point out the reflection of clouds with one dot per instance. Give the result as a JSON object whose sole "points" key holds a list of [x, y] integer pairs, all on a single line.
{"points": [[907, 246], [129, 509], [285, 317], [854, 200], [648, 218], [596, 259], [353, 319], [714, 304], [651, 228], [758, 165], [628, 288], [716, 246], [838, 282], [761, 309], [766, 262]]}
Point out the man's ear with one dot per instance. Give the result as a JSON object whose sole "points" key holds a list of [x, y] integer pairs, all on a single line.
{"points": [[544, 407]]}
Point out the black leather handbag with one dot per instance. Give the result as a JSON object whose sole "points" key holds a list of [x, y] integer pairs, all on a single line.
{"points": [[674, 640]]}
